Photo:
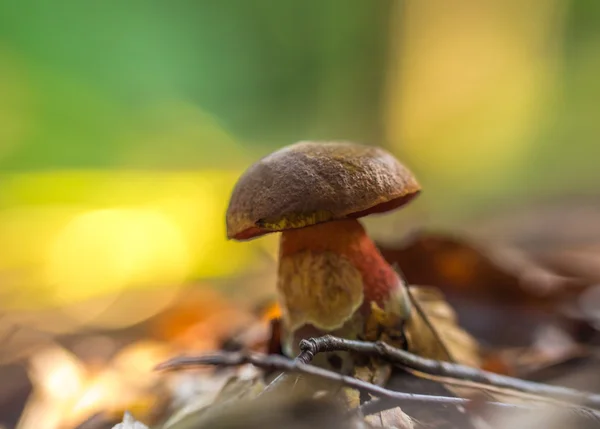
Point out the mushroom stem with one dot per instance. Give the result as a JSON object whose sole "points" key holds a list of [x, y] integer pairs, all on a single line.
{"points": [[329, 272]]}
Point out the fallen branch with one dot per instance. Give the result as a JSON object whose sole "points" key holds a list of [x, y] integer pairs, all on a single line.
{"points": [[281, 363], [403, 358]]}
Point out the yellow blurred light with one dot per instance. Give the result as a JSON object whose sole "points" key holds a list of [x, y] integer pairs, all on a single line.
{"points": [[471, 86], [58, 373], [69, 236], [115, 310], [136, 362], [101, 393], [198, 204], [109, 250], [66, 392]]}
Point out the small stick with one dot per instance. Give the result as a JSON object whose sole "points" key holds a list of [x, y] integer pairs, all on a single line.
{"points": [[276, 362], [329, 343], [305, 357]]}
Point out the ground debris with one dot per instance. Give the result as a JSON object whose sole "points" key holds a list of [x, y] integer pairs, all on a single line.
{"points": [[129, 422]]}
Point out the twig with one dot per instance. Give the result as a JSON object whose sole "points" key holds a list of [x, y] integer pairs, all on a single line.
{"points": [[489, 389], [392, 398], [329, 343], [280, 363], [305, 357]]}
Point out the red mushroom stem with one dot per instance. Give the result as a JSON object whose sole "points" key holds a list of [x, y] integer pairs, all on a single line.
{"points": [[331, 271]]}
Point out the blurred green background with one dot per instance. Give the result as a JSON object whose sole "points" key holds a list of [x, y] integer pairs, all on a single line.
{"points": [[124, 124]]}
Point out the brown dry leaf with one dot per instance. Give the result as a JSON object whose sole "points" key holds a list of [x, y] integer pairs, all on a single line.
{"points": [[501, 293], [446, 335], [562, 234], [495, 273], [392, 418], [520, 261]]}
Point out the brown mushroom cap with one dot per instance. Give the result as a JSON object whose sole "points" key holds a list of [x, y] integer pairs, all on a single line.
{"points": [[312, 182]]}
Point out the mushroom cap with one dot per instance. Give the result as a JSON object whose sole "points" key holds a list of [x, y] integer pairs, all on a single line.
{"points": [[312, 182]]}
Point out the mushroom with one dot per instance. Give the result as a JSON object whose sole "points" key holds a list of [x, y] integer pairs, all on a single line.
{"points": [[330, 271]]}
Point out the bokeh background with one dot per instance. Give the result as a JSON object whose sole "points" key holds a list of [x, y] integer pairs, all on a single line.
{"points": [[124, 125]]}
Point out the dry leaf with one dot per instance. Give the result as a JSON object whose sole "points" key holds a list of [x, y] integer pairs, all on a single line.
{"points": [[446, 334], [487, 271], [501, 293], [392, 418]]}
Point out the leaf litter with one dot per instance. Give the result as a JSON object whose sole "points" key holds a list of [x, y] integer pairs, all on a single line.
{"points": [[510, 306]]}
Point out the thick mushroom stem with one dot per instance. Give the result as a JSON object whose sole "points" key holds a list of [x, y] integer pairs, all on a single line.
{"points": [[329, 273]]}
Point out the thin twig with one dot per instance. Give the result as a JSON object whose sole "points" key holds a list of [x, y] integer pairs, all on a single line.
{"points": [[305, 357], [276, 362], [489, 389], [329, 343]]}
